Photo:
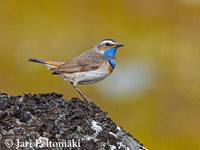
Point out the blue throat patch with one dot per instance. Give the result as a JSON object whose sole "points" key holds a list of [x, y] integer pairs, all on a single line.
{"points": [[110, 54]]}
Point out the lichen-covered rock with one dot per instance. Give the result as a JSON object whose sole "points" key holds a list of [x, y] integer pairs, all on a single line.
{"points": [[46, 121]]}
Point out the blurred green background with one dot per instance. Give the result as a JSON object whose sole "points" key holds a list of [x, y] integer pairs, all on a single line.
{"points": [[154, 92]]}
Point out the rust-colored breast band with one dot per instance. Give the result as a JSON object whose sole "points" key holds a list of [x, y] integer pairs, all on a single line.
{"points": [[109, 68]]}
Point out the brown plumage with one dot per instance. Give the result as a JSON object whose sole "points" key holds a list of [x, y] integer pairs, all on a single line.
{"points": [[90, 60]]}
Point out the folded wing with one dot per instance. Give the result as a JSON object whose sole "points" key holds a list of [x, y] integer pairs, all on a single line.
{"points": [[90, 60]]}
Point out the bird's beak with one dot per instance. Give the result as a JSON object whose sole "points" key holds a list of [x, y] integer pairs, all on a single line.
{"points": [[119, 45]]}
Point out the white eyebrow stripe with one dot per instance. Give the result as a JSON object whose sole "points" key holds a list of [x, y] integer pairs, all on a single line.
{"points": [[107, 41]]}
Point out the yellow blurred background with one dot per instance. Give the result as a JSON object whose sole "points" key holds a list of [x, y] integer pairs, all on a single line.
{"points": [[154, 92]]}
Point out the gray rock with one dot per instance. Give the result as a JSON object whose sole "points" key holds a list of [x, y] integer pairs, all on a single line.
{"points": [[46, 121]]}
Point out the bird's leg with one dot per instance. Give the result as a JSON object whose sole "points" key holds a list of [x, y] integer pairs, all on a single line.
{"points": [[80, 92]]}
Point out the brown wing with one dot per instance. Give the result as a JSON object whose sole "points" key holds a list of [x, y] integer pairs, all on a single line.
{"points": [[90, 60]]}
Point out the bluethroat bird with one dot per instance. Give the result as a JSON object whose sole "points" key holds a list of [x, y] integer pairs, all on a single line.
{"points": [[92, 66]]}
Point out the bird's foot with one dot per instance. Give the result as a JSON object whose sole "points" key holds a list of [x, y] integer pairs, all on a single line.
{"points": [[87, 99]]}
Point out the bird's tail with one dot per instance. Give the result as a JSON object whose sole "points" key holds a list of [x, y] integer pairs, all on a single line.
{"points": [[49, 64]]}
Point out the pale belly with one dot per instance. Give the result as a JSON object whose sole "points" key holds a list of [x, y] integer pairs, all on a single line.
{"points": [[87, 77]]}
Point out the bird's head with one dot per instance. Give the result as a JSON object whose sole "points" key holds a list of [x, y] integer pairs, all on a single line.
{"points": [[108, 48], [107, 44]]}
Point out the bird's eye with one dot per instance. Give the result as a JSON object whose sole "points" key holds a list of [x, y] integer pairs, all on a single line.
{"points": [[107, 44]]}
